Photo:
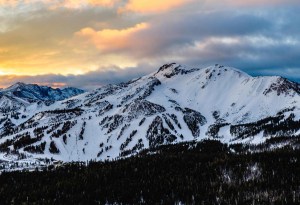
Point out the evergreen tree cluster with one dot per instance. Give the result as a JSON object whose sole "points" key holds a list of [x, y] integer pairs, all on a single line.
{"points": [[271, 126], [36, 149], [206, 172], [65, 128], [53, 148]]}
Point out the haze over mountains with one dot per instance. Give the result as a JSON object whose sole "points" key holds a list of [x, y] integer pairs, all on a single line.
{"points": [[172, 105]]}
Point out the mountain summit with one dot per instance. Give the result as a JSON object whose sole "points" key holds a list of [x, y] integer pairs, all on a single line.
{"points": [[174, 104]]}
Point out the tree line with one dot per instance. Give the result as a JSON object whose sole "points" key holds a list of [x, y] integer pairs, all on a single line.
{"points": [[206, 172]]}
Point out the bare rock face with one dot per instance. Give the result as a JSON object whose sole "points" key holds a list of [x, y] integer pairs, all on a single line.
{"points": [[140, 108], [283, 86]]}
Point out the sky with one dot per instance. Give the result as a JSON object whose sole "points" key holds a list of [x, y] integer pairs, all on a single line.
{"points": [[90, 43]]}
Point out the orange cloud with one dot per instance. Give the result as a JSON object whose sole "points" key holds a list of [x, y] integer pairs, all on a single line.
{"points": [[111, 39], [109, 3], [52, 84], [53, 4], [152, 6], [9, 2], [79, 3]]}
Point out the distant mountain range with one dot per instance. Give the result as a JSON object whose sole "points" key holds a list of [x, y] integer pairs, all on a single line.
{"points": [[21, 95], [172, 105]]}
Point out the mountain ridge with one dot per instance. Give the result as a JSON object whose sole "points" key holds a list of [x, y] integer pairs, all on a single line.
{"points": [[20, 95], [40, 92], [174, 104]]}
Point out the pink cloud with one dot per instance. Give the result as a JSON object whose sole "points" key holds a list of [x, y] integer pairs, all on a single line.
{"points": [[110, 39]]}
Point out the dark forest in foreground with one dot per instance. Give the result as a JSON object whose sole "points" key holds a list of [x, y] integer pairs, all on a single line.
{"points": [[206, 172]]}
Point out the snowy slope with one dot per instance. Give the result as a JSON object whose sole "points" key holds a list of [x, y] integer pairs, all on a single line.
{"points": [[174, 104]]}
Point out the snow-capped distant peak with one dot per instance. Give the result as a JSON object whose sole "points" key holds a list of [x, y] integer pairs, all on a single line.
{"points": [[14, 86], [21, 95], [36, 92]]}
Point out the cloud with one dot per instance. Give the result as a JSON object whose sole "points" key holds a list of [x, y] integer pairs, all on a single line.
{"points": [[115, 74], [34, 42], [108, 40], [77, 4], [162, 36], [54, 4], [152, 6], [87, 81], [62, 37], [138, 6], [256, 56], [255, 2], [247, 4]]}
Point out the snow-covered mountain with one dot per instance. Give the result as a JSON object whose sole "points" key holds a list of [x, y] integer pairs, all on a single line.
{"points": [[172, 105], [21, 95]]}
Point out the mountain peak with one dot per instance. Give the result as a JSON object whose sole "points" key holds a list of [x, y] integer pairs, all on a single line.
{"points": [[168, 66], [221, 70], [283, 86], [16, 85], [172, 69], [20, 83], [36, 92]]}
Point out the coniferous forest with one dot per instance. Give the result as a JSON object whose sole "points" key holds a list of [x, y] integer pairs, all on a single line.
{"points": [[206, 172]]}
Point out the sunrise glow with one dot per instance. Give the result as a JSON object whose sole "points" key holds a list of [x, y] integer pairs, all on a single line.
{"points": [[57, 40]]}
